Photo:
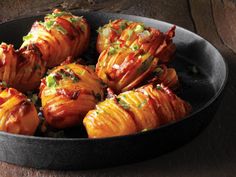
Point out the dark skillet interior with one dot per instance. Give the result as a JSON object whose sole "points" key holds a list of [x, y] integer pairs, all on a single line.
{"points": [[202, 72]]}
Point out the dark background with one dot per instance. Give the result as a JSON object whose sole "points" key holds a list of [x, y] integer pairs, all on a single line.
{"points": [[213, 152]]}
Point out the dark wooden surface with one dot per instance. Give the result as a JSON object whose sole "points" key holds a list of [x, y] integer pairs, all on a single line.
{"points": [[213, 152]]}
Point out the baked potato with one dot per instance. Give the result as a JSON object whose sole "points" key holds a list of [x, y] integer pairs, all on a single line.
{"points": [[133, 111], [68, 93], [59, 36], [21, 69], [123, 69], [17, 114]]}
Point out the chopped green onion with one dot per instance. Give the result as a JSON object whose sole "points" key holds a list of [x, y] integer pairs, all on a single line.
{"points": [[123, 103], [135, 47], [48, 24], [112, 51], [139, 28], [99, 30], [51, 81], [59, 14], [106, 32], [159, 87], [146, 33], [28, 37], [60, 29], [123, 26], [3, 83], [145, 65]]}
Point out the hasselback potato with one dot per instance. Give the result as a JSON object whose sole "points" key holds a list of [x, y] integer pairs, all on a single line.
{"points": [[17, 114], [21, 69], [133, 111], [136, 35], [68, 93], [123, 69], [59, 36]]}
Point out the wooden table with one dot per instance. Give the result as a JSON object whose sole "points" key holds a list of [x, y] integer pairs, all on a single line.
{"points": [[213, 152]]}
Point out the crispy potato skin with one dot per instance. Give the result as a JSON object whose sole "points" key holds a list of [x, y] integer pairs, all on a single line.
{"points": [[131, 52], [145, 108], [59, 37], [21, 69], [124, 69], [77, 89], [17, 114], [132, 34]]}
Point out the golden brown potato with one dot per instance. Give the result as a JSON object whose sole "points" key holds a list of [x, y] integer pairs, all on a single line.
{"points": [[137, 36], [133, 111], [59, 36], [17, 114], [123, 69], [68, 93], [22, 69]]}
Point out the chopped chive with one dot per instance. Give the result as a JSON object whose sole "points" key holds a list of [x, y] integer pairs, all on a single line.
{"points": [[112, 51], [139, 28], [135, 47], [3, 83], [28, 37], [48, 24], [123, 103], [60, 29], [51, 81], [159, 87], [145, 65]]}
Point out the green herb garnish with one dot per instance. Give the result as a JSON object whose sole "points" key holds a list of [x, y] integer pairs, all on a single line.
{"points": [[51, 81], [112, 51], [49, 24], [123, 103], [28, 37], [60, 29], [55, 15], [3, 83], [159, 87], [145, 65], [139, 28], [135, 47]]}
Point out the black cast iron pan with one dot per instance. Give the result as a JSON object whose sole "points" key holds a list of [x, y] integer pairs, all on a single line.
{"points": [[203, 75]]}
